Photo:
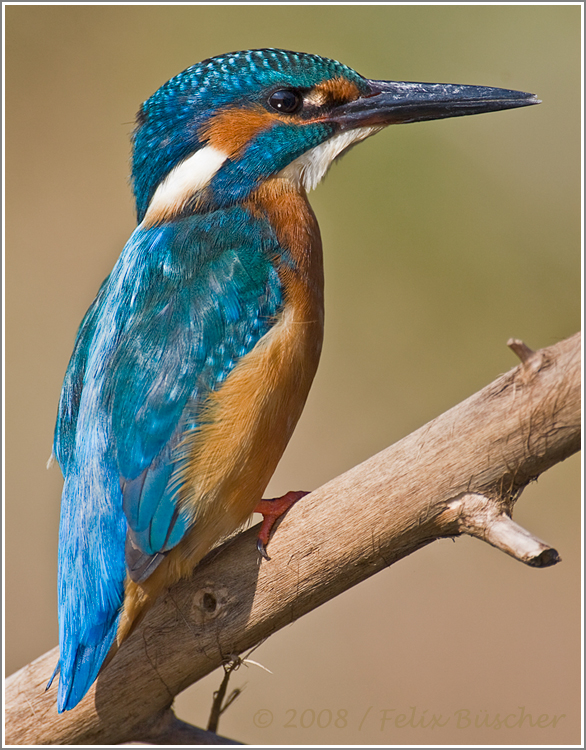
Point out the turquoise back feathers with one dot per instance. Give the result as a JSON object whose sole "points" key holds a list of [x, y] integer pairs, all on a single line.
{"points": [[183, 304]]}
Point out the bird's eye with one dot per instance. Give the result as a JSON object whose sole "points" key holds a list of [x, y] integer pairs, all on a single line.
{"points": [[286, 101]]}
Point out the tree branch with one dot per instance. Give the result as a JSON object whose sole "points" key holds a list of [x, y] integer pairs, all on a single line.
{"points": [[459, 474], [167, 729]]}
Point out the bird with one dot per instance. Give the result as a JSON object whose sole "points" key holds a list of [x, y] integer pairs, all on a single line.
{"points": [[193, 363]]}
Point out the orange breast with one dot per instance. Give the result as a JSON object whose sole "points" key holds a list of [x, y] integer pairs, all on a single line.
{"points": [[250, 419]]}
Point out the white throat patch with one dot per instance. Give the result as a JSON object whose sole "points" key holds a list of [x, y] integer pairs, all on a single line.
{"points": [[187, 178], [310, 168]]}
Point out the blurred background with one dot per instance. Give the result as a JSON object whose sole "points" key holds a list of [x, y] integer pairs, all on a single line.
{"points": [[441, 240]]}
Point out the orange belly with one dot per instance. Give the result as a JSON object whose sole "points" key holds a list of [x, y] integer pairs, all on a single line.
{"points": [[248, 421]]}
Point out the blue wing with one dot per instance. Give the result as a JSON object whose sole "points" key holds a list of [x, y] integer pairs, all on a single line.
{"points": [[184, 302]]}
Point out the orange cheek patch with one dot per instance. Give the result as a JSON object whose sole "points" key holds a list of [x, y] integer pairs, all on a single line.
{"points": [[335, 91], [232, 129]]}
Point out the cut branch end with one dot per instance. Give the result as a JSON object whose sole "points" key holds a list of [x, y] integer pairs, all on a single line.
{"points": [[484, 518]]}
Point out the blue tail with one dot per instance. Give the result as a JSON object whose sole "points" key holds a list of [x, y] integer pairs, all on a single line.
{"points": [[91, 567], [79, 669]]}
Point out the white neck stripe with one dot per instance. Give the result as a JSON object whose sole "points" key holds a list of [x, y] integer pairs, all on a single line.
{"points": [[186, 179]]}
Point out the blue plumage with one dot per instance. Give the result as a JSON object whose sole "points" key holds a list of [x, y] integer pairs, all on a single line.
{"points": [[220, 284], [150, 348], [270, 152]]}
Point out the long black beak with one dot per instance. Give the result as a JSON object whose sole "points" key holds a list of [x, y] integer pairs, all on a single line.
{"points": [[402, 101]]}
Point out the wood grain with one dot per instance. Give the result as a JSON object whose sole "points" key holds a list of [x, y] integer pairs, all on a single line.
{"points": [[460, 473]]}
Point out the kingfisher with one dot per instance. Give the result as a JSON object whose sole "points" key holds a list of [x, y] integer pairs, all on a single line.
{"points": [[192, 365]]}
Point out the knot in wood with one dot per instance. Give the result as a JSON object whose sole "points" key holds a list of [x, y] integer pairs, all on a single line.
{"points": [[209, 603]]}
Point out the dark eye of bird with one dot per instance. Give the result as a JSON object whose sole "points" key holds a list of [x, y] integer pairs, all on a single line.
{"points": [[286, 101]]}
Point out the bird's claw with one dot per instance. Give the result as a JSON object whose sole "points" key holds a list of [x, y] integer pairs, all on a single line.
{"points": [[271, 511], [260, 545]]}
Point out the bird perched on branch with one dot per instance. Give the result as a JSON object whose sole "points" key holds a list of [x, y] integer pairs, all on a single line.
{"points": [[193, 364]]}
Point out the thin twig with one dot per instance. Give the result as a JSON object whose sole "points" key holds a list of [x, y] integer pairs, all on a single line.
{"points": [[218, 705]]}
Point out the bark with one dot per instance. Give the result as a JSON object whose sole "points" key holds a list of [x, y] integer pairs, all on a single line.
{"points": [[459, 474]]}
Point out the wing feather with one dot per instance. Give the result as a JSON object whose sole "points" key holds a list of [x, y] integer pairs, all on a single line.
{"points": [[183, 304]]}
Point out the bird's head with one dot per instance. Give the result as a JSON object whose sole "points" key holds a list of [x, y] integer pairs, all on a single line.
{"points": [[213, 134]]}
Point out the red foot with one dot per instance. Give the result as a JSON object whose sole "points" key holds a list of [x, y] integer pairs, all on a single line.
{"points": [[271, 511]]}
